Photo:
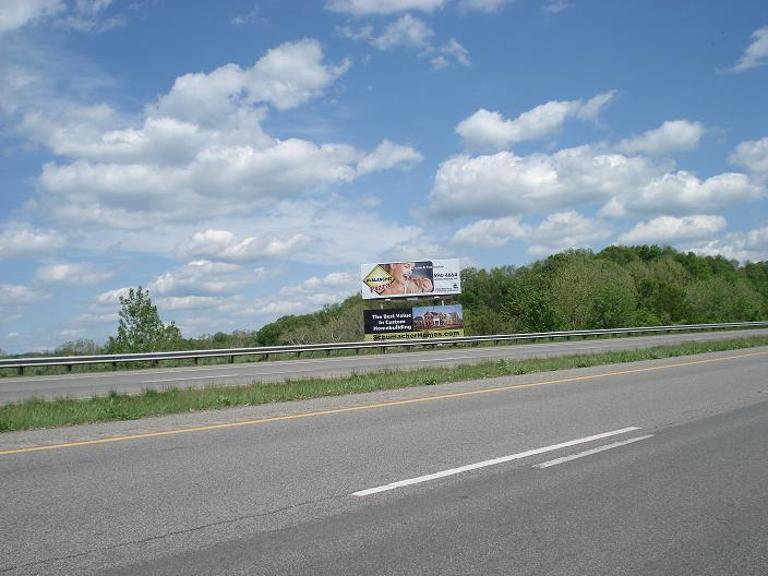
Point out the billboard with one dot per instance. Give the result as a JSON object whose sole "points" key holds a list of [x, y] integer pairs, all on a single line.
{"points": [[414, 323], [410, 279]]}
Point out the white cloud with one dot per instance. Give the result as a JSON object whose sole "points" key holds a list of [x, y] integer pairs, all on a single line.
{"points": [[407, 31], [489, 129], [412, 33], [451, 50], [367, 7], [482, 5], [491, 233], [671, 136], [671, 229], [756, 53], [388, 155], [682, 192], [303, 297], [218, 180], [222, 244], [753, 155], [751, 245], [558, 231], [17, 294], [504, 184], [285, 77], [22, 241], [590, 110], [253, 16], [189, 302], [556, 6], [317, 291], [199, 152], [199, 277], [111, 297], [74, 273], [77, 15], [17, 13], [564, 230], [88, 16]]}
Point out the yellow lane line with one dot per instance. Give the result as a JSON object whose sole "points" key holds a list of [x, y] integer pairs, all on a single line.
{"points": [[387, 404]]}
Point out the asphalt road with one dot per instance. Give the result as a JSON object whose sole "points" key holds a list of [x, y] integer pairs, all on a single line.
{"points": [[84, 385], [648, 468]]}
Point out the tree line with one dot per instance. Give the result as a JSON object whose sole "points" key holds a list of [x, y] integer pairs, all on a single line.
{"points": [[618, 286]]}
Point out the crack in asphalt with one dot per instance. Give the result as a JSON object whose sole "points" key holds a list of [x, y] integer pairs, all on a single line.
{"points": [[172, 533]]}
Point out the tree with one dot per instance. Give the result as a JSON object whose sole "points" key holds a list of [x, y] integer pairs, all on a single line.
{"points": [[140, 328], [80, 347]]}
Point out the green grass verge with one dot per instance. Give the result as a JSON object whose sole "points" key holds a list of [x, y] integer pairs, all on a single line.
{"points": [[39, 413]]}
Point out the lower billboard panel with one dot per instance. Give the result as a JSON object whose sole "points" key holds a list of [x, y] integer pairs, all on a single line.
{"points": [[414, 323]]}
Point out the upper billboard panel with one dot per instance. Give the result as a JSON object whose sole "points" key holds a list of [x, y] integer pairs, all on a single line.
{"points": [[410, 279]]}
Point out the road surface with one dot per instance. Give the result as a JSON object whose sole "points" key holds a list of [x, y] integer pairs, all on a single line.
{"points": [[132, 382], [655, 467]]}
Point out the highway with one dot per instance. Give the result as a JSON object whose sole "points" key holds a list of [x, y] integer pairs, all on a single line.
{"points": [[652, 468], [132, 382]]}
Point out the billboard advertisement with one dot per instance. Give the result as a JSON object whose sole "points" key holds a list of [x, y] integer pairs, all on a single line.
{"points": [[410, 279], [414, 323]]}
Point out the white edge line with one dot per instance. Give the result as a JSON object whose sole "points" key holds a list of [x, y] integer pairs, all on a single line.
{"points": [[493, 462], [596, 450]]}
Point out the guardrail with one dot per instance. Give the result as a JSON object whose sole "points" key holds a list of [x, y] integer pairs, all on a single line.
{"points": [[265, 351]]}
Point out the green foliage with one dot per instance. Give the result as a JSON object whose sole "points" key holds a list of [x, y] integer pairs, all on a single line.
{"points": [[140, 328], [80, 347], [619, 286]]}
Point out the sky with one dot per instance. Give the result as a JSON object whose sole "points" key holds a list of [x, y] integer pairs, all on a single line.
{"points": [[241, 159]]}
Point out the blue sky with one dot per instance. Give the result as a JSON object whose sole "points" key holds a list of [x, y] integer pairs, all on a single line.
{"points": [[242, 159]]}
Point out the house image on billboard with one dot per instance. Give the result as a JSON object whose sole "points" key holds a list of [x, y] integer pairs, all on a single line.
{"points": [[434, 319]]}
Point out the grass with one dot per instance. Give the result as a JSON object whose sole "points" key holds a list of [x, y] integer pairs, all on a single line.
{"points": [[40, 413]]}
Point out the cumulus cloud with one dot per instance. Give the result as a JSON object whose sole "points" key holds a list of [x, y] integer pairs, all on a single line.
{"points": [[285, 77], [111, 297], [672, 229], [200, 150], [558, 231], [388, 155], [671, 136], [504, 184], [23, 241], [489, 129], [745, 246], [410, 32], [73, 273], [368, 7], [491, 233], [565, 230], [756, 53], [223, 245], [753, 155], [407, 31], [682, 192], [198, 277]]}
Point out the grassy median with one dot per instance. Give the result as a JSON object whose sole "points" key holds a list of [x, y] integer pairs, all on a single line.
{"points": [[39, 413]]}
